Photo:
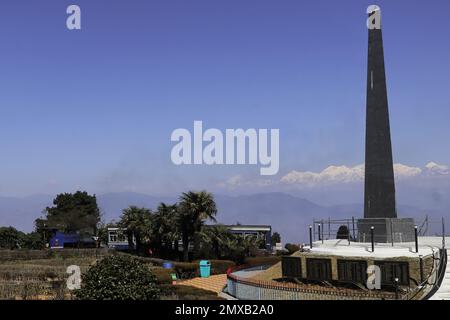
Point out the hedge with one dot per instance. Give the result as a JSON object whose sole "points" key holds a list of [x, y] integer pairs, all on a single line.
{"points": [[219, 266], [189, 270], [186, 270], [260, 261], [9, 255], [163, 276]]}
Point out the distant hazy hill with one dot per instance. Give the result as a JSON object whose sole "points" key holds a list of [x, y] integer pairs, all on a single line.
{"points": [[289, 215], [21, 212]]}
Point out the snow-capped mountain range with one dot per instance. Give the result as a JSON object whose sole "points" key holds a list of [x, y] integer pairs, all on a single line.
{"points": [[345, 174]]}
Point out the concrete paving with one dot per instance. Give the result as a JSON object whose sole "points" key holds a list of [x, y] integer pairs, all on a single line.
{"points": [[213, 283]]}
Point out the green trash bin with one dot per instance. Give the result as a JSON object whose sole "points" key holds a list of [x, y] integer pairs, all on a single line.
{"points": [[205, 268]]}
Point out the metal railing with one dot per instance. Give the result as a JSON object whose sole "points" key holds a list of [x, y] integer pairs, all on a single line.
{"points": [[427, 285], [251, 289], [440, 273], [378, 230]]}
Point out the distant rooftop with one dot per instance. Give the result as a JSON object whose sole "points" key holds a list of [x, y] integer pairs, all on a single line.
{"points": [[249, 227]]}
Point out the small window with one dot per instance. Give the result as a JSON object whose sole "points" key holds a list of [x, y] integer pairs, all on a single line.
{"points": [[393, 269], [291, 267], [318, 269], [122, 237], [352, 271]]}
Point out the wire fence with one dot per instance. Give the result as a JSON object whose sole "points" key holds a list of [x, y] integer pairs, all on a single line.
{"points": [[378, 230]]}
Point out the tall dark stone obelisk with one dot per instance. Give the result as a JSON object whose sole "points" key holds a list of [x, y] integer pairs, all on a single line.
{"points": [[379, 184], [379, 188]]}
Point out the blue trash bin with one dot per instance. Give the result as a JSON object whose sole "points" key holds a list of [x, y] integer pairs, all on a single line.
{"points": [[205, 268]]}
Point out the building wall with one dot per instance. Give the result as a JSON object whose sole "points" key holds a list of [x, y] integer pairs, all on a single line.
{"points": [[413, 263], [248, 290]]}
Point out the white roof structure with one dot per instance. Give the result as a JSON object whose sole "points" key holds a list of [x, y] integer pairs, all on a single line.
{"points": [[427, 246]]}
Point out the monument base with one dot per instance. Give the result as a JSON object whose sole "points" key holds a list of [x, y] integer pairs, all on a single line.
{"points": [[386, 230]]}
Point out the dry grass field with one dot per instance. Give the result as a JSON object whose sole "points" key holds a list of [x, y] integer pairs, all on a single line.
{"points": [[41, 275]]}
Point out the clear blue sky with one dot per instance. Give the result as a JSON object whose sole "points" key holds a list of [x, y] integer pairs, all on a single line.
{"points": [[94, 109]]}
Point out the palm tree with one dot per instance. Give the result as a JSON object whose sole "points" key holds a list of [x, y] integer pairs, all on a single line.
{"points": [[138, 223], [165, 228], [221, 243], [193, 210], [218, 239], [249, 244]]}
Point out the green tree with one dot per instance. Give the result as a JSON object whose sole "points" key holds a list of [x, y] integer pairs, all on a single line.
{"points": [[77, 212], [276, 238], [118, 278], [251, 244], [193, 210], [11, 238], [138, 223], [216, 242], [33, 241], [41, 228]]}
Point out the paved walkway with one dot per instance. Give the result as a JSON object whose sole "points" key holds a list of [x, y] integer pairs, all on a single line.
{"points": [[213, 283]]}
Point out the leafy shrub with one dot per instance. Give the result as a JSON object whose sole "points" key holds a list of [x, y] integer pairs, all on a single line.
{"points": [[343, 232], [292, 247], [11, 238], [163, 276], [118, 278], [186, 270], [221, 266]]}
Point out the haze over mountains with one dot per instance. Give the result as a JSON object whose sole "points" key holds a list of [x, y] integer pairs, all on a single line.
{"points": [[288, 214], [289, 204]]}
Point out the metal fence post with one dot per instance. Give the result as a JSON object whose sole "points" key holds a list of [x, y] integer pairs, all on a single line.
{"points": [[310, 237], [371, 238], [314, 230], [416, 239], [421, 268], [348, 232], [322, 230], [329, 228], [392, 232], [353, 222], [320, 234]]}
